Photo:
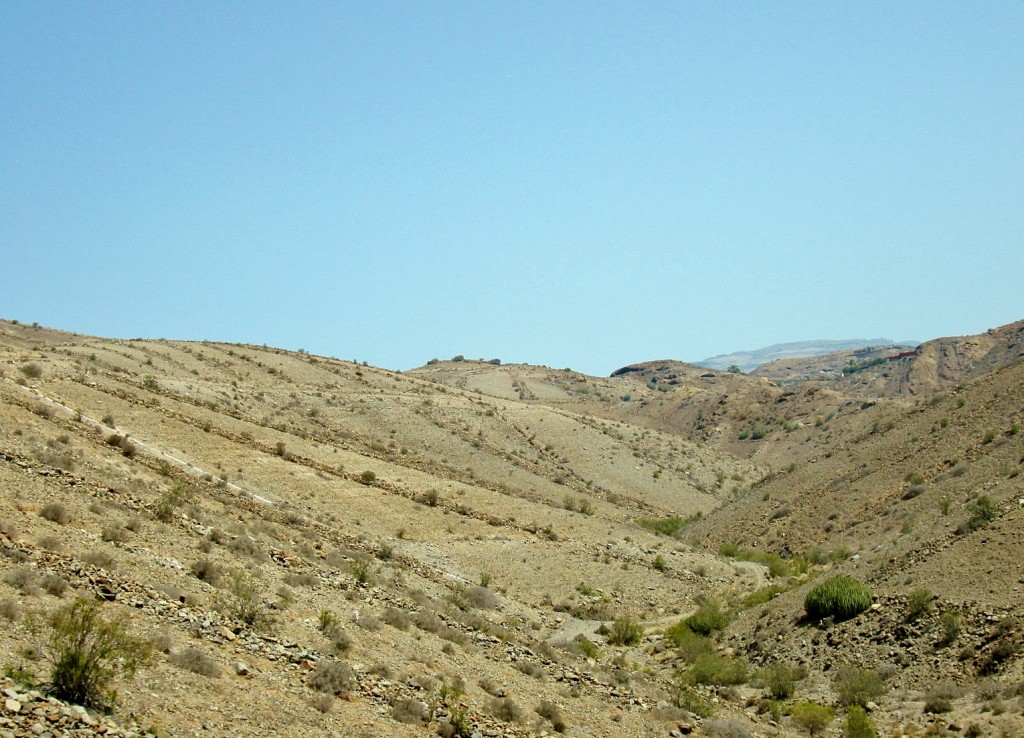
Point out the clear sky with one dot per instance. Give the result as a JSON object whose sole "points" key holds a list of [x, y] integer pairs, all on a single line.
{"points": [[584, 184]]}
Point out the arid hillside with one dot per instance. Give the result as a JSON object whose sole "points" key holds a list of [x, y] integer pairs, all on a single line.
{"points": [[312, 546]]}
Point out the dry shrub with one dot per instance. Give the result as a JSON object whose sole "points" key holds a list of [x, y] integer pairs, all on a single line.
{"points": [[333, 677], [14, 554], [300, 580], [491, 687], [855, 686], [8, 529], [553, 713], [56, 458], [24, 579], [409, 710], [194, 660], [54, 585], [725, 728], [55, 512], [530, 669], [246, 546], [100, 559], [429, 621], [341, 642], [10, 609], [482, 597], [114, 534], [118, 441], [162, 642], [51, 543], [505, 709], [367, 621], [321, 703], [207, 571], [939, 700]]}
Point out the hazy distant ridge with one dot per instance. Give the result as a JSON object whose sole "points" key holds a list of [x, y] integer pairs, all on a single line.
{"points": [[748, 360]]}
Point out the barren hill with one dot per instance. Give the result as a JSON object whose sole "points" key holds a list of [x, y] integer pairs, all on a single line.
{"points": [[315, 546]]}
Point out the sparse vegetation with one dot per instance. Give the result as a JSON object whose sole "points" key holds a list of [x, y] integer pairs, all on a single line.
{"points": [[505, 709], [31, 370], [690, 645], [667, 526], [207, 571], [777, 566], [454, 531]]}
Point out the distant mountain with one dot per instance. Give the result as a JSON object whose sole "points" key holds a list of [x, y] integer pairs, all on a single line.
{"points": [[748, 360]]}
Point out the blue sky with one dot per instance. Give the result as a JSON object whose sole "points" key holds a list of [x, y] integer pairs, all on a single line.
{"points": [[582, 184]]}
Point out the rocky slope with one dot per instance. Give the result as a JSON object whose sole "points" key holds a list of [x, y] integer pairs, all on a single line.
{"points": [[462, 542]]}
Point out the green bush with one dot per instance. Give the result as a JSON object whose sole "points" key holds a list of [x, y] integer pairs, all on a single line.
{"points": [[625, 632], [706, 620], [777, 566], [587, 647], [712, 668], [858, 724], [983, 511], [812, 717], [690, 700], [689, 644], [840, 597], [763, 595], [88, 651], [667, 526]]}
